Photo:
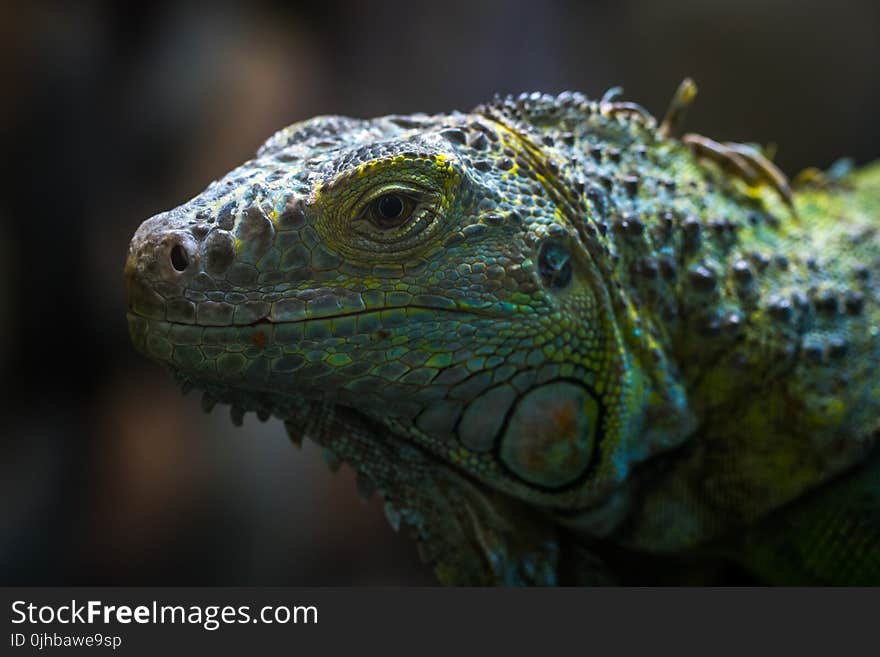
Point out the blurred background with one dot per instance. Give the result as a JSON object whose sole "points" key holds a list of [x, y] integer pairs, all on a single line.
{"points": [[112, 112]]}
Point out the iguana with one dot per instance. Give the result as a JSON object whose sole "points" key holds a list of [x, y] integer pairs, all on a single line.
{"points": [[565, 344]]}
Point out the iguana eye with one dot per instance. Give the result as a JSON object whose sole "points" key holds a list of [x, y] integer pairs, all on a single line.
{"points": [[395, 212], [390, 210]]}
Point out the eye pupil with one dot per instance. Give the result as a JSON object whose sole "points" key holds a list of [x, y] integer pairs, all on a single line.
{"points": [[390, 206]]}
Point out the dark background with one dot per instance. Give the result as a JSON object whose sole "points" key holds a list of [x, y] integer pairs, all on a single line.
{"points": [[111, 112]]}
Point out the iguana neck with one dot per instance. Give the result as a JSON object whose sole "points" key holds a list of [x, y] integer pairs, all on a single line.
{"points": [[773, 321], [735, 287], [765, 313]]}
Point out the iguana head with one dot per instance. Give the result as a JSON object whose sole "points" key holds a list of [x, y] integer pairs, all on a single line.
{"points": [[441, 275]]}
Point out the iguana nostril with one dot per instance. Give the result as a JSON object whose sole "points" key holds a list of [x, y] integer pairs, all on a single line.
{"points": [[179, 258]]}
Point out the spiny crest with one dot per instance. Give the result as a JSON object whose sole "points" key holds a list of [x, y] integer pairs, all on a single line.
{"points": [[571, 116], [540, 109], [573, 113]]}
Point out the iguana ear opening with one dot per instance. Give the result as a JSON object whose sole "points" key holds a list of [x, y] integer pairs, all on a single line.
{"points": [[554, 265]]}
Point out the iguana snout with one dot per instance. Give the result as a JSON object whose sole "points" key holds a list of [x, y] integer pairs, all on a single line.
{"points": [[162, 258]]}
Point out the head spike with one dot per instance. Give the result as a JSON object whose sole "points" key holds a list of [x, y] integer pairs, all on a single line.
{"points": [[611, 95], [682, 100]]}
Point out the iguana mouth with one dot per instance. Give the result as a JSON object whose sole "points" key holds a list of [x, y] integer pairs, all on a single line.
{"points": [[165, 341], [409, 312]]}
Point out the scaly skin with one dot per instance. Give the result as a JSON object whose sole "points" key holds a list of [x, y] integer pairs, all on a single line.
{"points": [[548, 334]]}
